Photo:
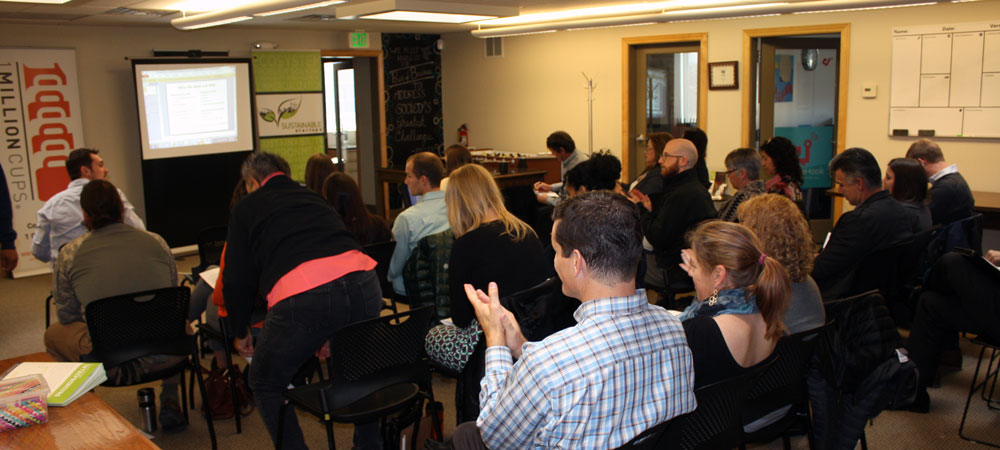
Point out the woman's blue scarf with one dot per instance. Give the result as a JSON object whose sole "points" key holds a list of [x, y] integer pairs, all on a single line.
{"points": [[730, 301]]}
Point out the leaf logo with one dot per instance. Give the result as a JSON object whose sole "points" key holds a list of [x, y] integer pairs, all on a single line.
{"points": [[286, 110]]}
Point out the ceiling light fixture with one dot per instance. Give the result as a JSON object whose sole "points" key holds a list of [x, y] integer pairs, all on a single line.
{"points": [[299, 8], [245, 11], [48, 2], [613, 10], [423, 11], [690, 14]]}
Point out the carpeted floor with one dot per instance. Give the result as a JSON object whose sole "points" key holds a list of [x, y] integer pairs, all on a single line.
{"points": [[22, 326]]}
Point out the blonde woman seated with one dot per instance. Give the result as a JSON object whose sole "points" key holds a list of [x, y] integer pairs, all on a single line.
{"points": [[742, 294], [785, 234], [491, 244]]}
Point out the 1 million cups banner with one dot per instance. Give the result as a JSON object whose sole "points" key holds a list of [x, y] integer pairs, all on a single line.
{"points": [[40, 110]]}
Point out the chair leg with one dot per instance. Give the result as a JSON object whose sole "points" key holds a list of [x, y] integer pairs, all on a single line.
{"points": [[329, 435], [204, 396], [184, 400], [232, 374], [48, 310], [972, 392]]}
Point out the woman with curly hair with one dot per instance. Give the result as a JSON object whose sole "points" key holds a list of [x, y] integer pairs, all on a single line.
{"points": [[786, 237], [779, 158]]}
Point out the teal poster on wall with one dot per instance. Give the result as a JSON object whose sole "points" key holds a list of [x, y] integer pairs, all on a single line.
{"points": [[815, 148]]}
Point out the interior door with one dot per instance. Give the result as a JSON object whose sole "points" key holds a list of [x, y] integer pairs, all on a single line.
{"points": [[664, 97]]}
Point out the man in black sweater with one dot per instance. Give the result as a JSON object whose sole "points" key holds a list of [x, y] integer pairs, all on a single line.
{"points": [[876, 221], [950, 197], [289, 245], [683, 204]]}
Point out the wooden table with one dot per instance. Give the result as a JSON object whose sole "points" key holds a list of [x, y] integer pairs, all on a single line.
{"points": [[87, 423], [987, 202]]}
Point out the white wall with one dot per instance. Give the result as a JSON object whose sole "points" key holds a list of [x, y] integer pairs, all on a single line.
{"points": [[107, 92], [513, 103]]}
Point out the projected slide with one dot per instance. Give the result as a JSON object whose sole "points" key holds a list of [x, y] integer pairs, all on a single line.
{"points": [[192, 109]]}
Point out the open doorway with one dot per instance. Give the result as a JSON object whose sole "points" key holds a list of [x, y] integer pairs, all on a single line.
{"points": [[665, 90], [796, 88], [355, 116]]}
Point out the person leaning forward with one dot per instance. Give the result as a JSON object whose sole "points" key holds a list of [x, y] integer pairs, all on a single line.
{"points": [[289, 245]]}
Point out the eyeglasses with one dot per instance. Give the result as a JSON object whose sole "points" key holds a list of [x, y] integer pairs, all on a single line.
{"points": [[729, 171], [668, 155]]}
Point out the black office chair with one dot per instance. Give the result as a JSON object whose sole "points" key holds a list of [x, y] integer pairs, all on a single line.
{"points": [[210, 242], [377, 370], [717, 422], [784, 385], [381, 252], [992, 372], [48, 310], [126, 327]]}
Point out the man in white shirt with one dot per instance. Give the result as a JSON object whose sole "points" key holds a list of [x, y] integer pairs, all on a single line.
{"points": [[61, 220]]}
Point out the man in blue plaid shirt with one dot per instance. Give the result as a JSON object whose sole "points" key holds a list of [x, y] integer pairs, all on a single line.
{"points": [[625, 367]]}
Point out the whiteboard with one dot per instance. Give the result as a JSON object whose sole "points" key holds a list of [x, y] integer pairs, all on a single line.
{"points": [[945, 81]]}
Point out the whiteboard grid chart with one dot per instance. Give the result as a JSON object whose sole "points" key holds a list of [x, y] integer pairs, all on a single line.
{"points": [[945, 81]]}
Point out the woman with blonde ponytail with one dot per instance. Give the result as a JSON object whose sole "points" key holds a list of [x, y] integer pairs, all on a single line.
{"points": [[742, 294]]}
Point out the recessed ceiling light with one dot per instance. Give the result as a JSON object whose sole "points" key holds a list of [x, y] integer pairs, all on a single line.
{"points": [[300, 8], [48, 2], [216, 23], [418, 16]]}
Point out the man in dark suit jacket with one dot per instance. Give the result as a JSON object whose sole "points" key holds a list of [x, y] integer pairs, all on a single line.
{"points": [[950, 197], [683, 204], [876, 221]]}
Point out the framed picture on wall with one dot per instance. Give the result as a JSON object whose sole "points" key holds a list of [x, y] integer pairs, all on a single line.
{"points": [[722, 75]]}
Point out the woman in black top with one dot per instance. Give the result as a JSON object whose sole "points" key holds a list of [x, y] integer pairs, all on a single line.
{"points": [[344, 194], [743, 293], [906, 180], [483, 226]]}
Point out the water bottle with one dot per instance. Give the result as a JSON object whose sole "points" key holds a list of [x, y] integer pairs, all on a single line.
{"points": [[147, 405]]}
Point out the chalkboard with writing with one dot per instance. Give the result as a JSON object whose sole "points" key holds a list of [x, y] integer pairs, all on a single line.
{"points": [[413, 96]]}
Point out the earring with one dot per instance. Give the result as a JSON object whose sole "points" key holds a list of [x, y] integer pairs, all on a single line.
{"points": [[714, 298]]}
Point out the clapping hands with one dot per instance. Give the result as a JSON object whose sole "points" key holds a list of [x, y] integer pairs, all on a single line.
{"points": [[499, 324]]}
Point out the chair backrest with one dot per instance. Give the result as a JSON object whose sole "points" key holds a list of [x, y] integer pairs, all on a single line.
{"points": [[128, 326], [425, 274], [717, 422], [880, 269], [862, 337], [211, 241], [965, 233], [542, 309], [381, 252], [784, 382], [372, 354]]}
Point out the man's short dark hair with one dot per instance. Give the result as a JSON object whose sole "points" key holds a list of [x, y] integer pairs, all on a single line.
{"points": [[427, 164], [744, 158], [697, 137], [560, 141], [600, 171], [604, 228], [101, 202], [260, 164], [926, 150], [78, 159], [858, 163]]}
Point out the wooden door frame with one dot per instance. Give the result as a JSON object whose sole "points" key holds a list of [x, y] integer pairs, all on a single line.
{"points": [[842, 29], [627, 54], [382, 200]]}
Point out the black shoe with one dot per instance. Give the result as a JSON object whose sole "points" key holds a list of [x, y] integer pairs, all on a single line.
{"points": [[171, 415], [922, 403]]}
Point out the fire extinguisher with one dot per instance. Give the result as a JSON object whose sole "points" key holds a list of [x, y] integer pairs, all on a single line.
{"points": [[463, 135]]}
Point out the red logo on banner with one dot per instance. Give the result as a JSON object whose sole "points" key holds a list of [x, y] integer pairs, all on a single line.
{"points": [[49, 107]]}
